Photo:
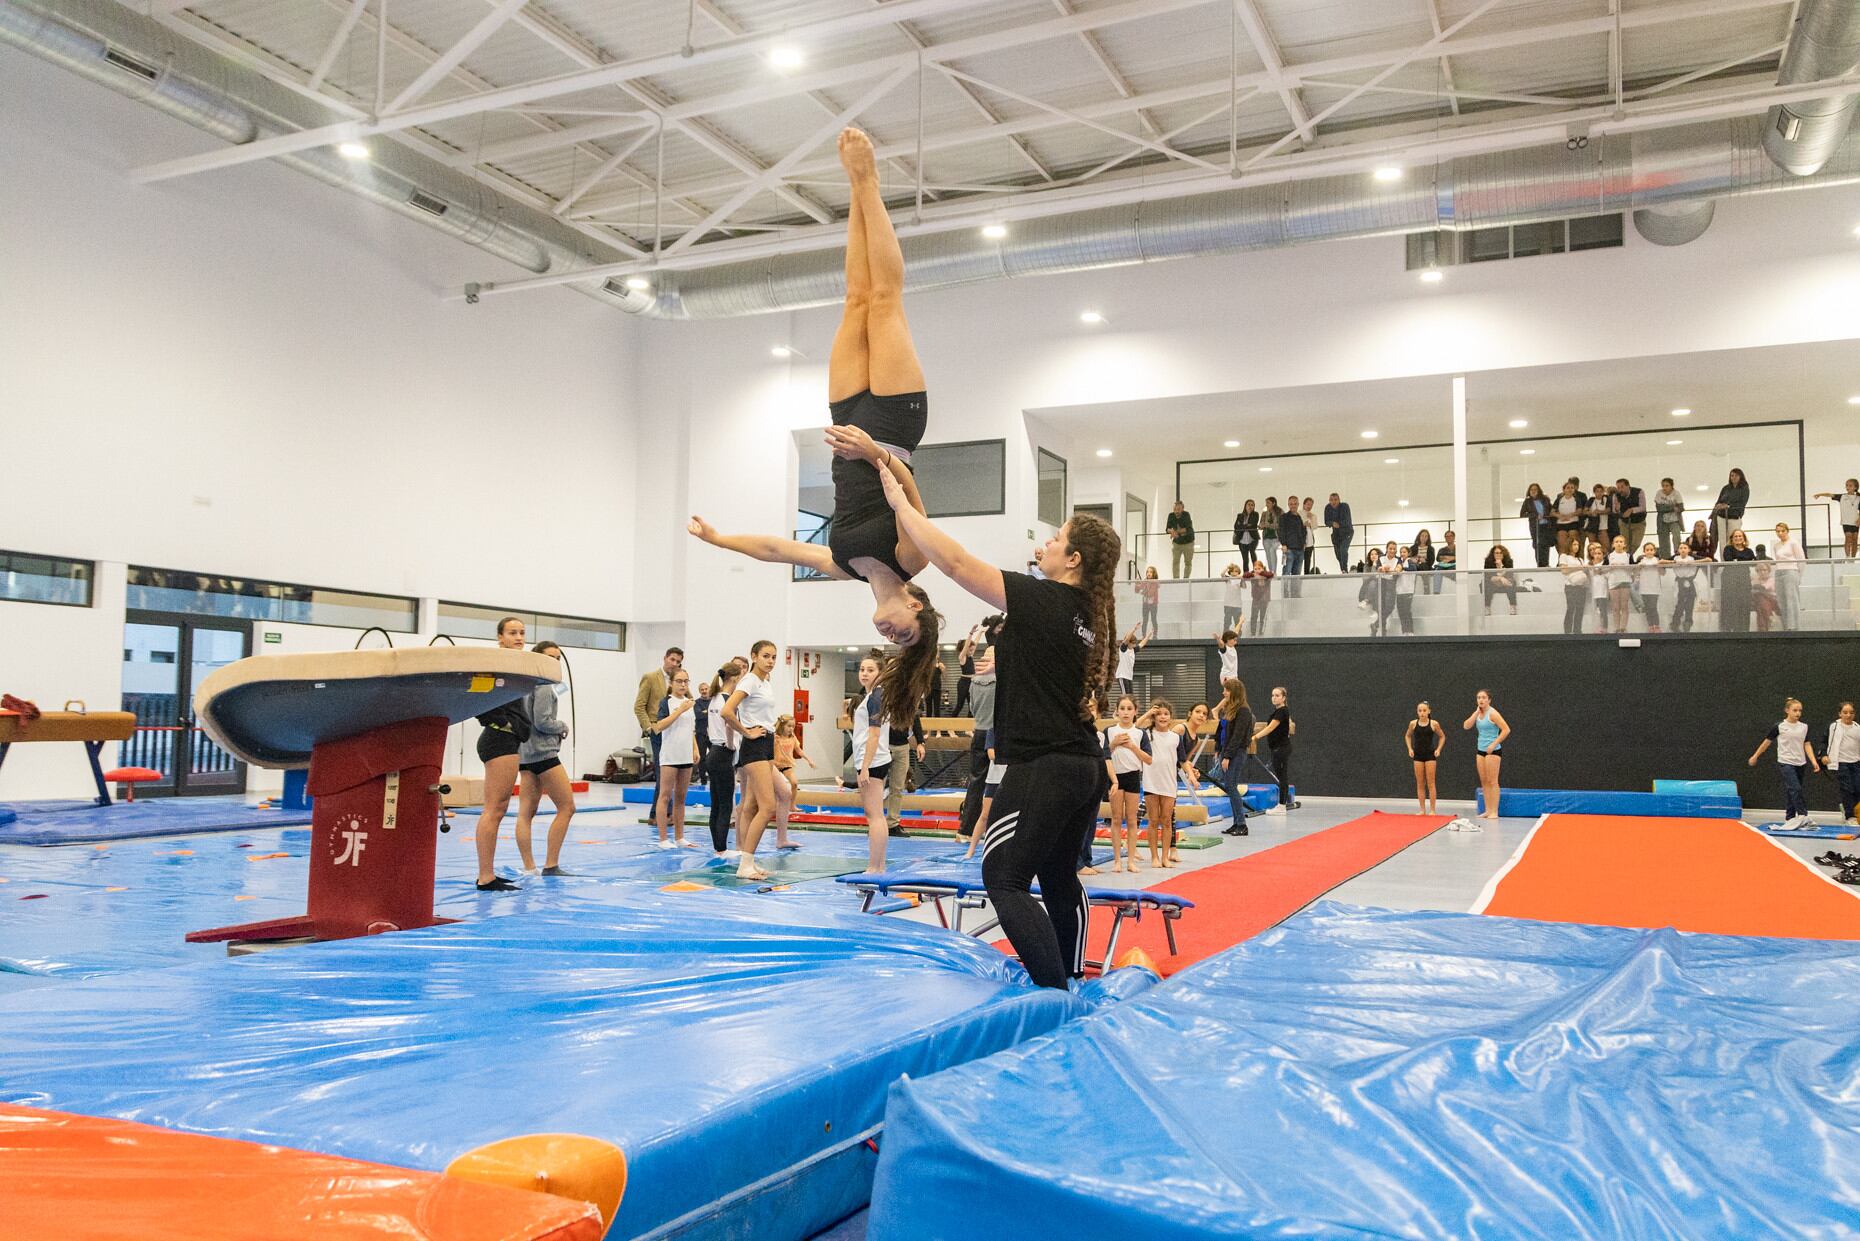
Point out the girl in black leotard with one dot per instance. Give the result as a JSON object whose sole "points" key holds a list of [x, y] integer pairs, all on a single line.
{"points": [[1426, 740], [875, 394], [506, 728]]}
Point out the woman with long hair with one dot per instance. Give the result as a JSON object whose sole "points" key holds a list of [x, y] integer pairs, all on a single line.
{"points": [[1246, 531], [1426, 742], [1734, 595], [540, 771], [1057, 651], [875, 392], [1236, 727], [1269, 533], [720, 759], [676, 729], [752, 712], [1535, 510], [871, 757], [1489, 742], [1728, 512], [506, 728]]}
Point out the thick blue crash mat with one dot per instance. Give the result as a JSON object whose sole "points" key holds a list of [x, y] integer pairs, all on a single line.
{"points": [[737, 1049], [64, 823], [1358, 1073], [1529, 803]]}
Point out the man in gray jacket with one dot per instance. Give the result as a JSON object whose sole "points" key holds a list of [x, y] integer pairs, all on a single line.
{"points": [[982, 708]]}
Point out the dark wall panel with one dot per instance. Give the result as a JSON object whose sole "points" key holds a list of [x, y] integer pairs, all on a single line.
{"points": [[1584, 712]]}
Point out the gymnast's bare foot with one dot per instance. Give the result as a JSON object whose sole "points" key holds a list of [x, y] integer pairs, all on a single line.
{"points": [[856, 154]]}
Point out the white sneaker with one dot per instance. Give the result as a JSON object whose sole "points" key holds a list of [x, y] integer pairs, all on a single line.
{"points": [[731, 853], [664, 844], [531, 871], [1279, 809]]}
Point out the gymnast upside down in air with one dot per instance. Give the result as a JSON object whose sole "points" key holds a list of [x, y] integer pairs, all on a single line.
{"points": [[875, 390]]}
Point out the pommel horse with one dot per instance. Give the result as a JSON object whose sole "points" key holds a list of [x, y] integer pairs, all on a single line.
{"points": [[371, 727]]}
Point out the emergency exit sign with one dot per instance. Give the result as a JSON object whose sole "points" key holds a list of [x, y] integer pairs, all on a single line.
{"points": [[271, 638]]}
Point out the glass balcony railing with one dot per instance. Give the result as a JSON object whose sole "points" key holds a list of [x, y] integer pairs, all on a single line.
{"points": [[1698, 597]]}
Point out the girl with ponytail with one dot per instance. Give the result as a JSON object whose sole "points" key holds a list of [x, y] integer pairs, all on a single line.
{"points": [[1056, 651]]}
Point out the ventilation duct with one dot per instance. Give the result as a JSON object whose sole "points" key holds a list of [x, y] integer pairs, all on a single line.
{"points": [[1825, 44], [105, 43], [1675, 224]]}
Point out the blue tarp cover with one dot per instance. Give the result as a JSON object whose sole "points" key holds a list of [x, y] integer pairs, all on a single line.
{"points": [[1710, 788], [1358, 1073], [68, 822], [1529, 803], [722, 1040]]}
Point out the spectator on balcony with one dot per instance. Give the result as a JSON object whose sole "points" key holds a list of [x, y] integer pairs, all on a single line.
{"points": [[1500, 577], [1630, 504], [1599, 522], [1369, 566], [1388, 568], [1233, 597], [1292, 541], [1669, 518], [1246, 532], [1728, 512], [1734, 584], [1149, 590], [1568, 512], [1181, 530], [1575, 570], [1597, 562], [1620, 582], [1342, 530], [1446, 560], [1422, 550], [1763, 594], [1540, 520], [1312, 526], [1261, 578], [1849, 501], [1702, 542], [1647, 575], [1412, 572], [1269, 532], [1685, 588], [1790, 558]]}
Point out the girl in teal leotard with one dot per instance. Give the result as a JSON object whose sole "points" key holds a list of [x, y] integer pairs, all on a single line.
{"points": [[1489, 740]]}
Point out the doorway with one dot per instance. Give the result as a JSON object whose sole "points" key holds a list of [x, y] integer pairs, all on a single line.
{"points": [[1136, 524], [165, 658]]}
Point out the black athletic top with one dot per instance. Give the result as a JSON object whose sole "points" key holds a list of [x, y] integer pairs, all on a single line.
{"points": [[1040, 671], [1280, 737], [1426, 741], [863, 524], [512, 717]]}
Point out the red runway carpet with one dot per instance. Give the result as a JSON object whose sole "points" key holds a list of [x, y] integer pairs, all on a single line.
{"points": [[1236, 900], [1711, 875]]}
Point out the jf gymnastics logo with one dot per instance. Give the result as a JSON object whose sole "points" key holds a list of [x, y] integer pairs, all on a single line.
{"points": [[348, 840]]}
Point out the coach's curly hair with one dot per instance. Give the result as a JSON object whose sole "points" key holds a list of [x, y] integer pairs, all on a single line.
{"points": [[904, 679], [1099, 551]]}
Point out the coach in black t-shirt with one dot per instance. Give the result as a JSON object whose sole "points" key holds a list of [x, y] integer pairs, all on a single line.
{"points": [[1054, 653]]}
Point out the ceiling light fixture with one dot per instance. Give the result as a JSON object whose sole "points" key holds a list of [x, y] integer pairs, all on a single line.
{"points": [[1433, 275], [1389, 172], [1402, 503], [1674, 443], [782, 351], [1230, 443], [785, 57], [1701, 487], [1518, 424], [1104, 452], [1369, 435], [1265, 469], [1853, 400], [1682, 413], [1091, 316], [1527, 452], [639, 284], [994, 232], [352, 150]]}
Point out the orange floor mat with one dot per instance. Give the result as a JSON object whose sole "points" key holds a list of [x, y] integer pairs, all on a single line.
{"points": [[1710, 875], [79, 1178]]}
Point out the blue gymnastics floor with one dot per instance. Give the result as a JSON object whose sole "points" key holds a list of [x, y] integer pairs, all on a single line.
{"points": [[77, 822], [1360, 1073]]}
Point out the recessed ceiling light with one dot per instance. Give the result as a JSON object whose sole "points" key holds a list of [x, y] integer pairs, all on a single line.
{"points": [[1682, 413], [1518, 424], [1230, 443], [1369, 435], [1527, 452], [1853, 400], [352, 150], [1104, 452], [1701, 487], [1391, 461], [1388, 172], [1432, 275], [994, 232], [1857, 230], [1265, 469], [1091, 316], [1674, 443], [782, 351], [1518, 500], [1402, 503], [785, 56], [639, 284]]}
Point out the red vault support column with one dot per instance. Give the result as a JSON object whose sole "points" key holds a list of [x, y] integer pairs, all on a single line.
{"points": [[374, 836]]}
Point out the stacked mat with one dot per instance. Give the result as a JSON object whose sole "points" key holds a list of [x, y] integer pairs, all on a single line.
{"points": [[1357, 1073]]}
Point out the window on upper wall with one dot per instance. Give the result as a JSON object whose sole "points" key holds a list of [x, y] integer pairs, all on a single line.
{"points": [[967, 479], [46, 579], [470, 620], [208, 594], [1052, 488]]}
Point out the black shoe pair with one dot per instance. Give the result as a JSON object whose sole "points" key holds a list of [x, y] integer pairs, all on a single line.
{"points": [[1850, 875], [1831, 858], [499, 884], [1238, 829], [896, 831]]}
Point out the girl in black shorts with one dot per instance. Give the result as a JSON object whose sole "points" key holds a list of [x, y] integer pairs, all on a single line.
{"points": [[1426, 742], [1056, 651], [542, 773], [506, 728], [1123, 743], [875, 392]]}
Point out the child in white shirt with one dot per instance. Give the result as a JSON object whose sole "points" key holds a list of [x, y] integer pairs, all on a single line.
{"points": [[1793, 753], [1647, 576]]}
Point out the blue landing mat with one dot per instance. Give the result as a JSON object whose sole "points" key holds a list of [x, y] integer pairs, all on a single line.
{"points": [[63, 823], [1359, 1073], [1818, 832], [1529, 803], [737, 1049]]}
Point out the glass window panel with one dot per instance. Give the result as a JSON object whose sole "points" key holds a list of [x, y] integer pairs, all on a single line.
{"points": [[470, 620], [1484, 245], [1544, 238], [45, 579], [1595, 232], [1052, 495], [962, 480], [171, 590]]}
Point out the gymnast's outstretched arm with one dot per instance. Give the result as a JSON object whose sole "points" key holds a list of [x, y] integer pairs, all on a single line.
{"points": [[956, 562], [769, 549]]}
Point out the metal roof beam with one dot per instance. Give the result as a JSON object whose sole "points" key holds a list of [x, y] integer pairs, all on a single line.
{"points": [[501, 12], [1267, 49]]}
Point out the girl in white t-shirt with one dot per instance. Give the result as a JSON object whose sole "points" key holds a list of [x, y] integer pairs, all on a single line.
{"points": [[1793, 753], [1849, 501], [1575, 589], [1166, 755], [1227, 649], [1843, 758], [1620, 585], [677, 730], [1127, 661], [1233, 597], [1685, 588], [752, 711], [1124, 745], [871, 760], [1647, 576], [1598, 584]]}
